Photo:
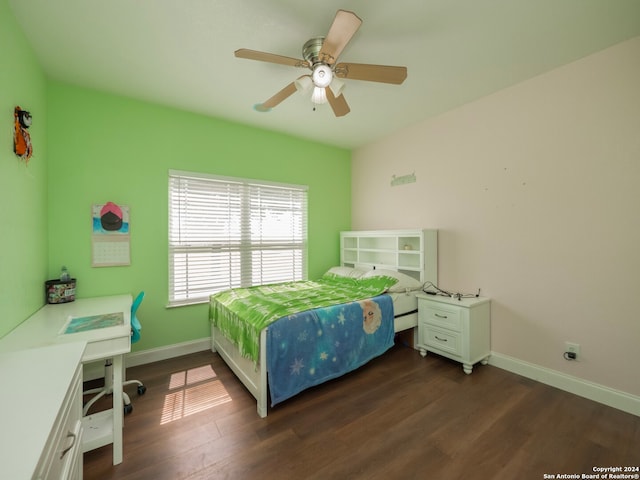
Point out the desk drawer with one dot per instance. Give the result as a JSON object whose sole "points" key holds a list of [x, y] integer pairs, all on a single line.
{"points": [[106, 348], [65, 442], [441, 315]]}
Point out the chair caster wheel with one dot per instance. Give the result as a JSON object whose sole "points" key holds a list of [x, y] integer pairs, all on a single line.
{"points": [[141, 389], [128, 409]]}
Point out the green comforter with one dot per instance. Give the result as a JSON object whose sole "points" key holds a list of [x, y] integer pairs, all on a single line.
{"points": [[242, 313]]}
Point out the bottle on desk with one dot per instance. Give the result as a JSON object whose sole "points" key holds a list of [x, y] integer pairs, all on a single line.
{"points": [[64, 274]]}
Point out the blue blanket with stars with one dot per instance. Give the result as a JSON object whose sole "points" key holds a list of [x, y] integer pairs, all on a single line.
{"points": [[309, 348]]}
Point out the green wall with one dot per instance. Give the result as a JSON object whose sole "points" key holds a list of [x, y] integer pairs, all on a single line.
{"points": [[23, 187], [108, 148]]}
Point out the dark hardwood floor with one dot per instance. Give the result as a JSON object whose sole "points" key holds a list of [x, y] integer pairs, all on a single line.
{"points": [[400, 416]]}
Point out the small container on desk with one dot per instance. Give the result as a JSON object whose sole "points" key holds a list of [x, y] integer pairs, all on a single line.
{"points": [[60, 291]]}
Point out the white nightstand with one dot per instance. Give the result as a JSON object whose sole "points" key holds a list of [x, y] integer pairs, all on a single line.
{"points": [[457, 329]]}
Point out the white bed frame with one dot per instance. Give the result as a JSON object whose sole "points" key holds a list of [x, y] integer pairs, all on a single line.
{"points": [[391, 245], [254, 377]]}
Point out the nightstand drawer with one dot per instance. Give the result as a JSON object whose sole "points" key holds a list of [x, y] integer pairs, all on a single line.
{"points": [[442, 340], [441, 315]]}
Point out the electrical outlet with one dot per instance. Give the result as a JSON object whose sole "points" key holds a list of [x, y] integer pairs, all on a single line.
{"points": [[572, 348]]}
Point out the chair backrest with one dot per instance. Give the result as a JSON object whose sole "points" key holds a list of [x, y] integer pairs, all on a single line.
{"points": [[135, 323]]}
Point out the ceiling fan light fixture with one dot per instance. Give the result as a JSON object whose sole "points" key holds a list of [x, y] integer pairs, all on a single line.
{"points": [[322, 76], [337, 86], [319, 96], [304, 83]]}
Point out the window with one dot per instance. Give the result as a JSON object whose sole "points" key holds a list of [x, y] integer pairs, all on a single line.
{"points": [[231, 232]]}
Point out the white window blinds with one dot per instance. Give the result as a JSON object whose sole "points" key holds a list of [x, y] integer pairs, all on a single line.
{"points": [[228, 232]]}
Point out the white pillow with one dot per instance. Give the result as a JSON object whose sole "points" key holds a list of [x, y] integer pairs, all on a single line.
{"points": [[346, 272], [405, 282]]}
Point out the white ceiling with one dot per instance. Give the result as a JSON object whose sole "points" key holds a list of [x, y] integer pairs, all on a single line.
{"points": [[180, 53]]}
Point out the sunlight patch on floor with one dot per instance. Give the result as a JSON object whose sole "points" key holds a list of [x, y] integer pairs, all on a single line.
{"points": [[192, 391]]}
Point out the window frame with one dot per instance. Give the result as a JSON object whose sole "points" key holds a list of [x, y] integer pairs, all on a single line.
{"points": [[179, 293]]}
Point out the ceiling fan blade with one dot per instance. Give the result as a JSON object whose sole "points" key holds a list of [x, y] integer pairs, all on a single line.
{"points": [[270, 57], [371, 73], [344, 26], [338, 104], [283, 94]]}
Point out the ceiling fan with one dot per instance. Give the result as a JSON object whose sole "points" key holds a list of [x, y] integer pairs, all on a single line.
{"points": [[320, 55]]}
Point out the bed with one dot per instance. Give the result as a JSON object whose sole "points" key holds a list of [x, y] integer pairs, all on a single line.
{"points": [[300, 335]]}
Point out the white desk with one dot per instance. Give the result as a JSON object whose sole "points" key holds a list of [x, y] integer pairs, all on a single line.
{"points": [[43, 328], [39, 410]]}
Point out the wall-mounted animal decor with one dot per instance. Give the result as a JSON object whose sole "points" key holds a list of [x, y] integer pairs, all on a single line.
{"points": [[21, 138]]}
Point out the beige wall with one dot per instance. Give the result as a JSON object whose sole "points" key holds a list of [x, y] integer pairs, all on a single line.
{"points": [[535, 191]]}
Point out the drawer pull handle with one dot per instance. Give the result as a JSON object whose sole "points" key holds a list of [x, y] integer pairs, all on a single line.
{"points": [[73, 442], [441, 339], [440, 316]]}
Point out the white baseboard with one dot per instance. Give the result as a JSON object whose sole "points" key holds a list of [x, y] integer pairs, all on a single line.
{"points": [[163, 353], [593, 391], [95, 370]]}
